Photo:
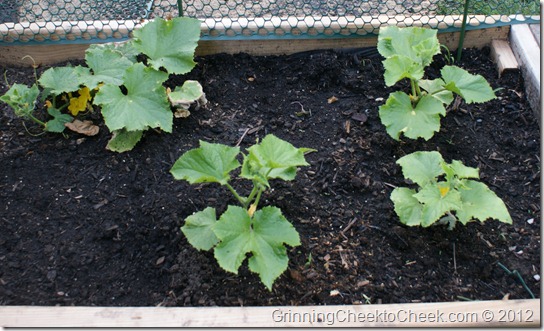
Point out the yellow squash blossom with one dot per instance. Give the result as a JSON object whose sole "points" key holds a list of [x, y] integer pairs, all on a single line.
{"points": [[80, 103], [443, 190]]}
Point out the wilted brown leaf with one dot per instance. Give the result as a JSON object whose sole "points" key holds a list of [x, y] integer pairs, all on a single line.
{"points": [[84, 127]]}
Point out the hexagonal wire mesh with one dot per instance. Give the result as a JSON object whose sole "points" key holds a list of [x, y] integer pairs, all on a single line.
{"points": [[84, 21]]}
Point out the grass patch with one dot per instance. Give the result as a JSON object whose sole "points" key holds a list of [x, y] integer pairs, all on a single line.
{"points": [[496, 7]]}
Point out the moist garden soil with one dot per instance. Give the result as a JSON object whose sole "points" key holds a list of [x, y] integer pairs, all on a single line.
{"points": [[84, 226]]}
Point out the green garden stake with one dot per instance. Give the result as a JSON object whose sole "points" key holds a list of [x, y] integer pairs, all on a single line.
{"points": [[517, 274], [463, 29], [180, 8]]}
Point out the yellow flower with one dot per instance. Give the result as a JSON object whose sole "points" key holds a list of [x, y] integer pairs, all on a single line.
{"points": [[48, 104], [444, 190], [80, 103]]}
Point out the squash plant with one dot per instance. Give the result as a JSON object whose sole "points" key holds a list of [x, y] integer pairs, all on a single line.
{"points": [[23, 101], [243, 229], [407, 52], [130, 93], [446, 193]]}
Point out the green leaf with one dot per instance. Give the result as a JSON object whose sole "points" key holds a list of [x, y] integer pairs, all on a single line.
{"points": [[407, 207], [480, 203], [58, 121], [273, 158], [210, 163], [182, 97], [21, 98], [399, 116], [123, 140], [198, 229], [144, 105], [398, 67], [426, 46], [437, 200], [126, 49], [422, 167], [234, 231], [418, 44], [473, 88], [108, 66], [169, 43], [263, 235], [60, 80], [462, 171], [436, 89]]}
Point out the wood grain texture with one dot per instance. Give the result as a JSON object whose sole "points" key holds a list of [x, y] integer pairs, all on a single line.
{"points": [[52, 54], [513, 313], [527, 52], [502, 54]]}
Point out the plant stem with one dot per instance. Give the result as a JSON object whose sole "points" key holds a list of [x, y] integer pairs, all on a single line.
{"points": [[251, 195], [256, 203], [36, 120], [418, 90], [236, 195]]}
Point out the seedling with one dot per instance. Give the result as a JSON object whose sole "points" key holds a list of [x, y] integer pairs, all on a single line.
{"points": [[130, 93], [407, 52], [243, 229], [446, 193]]}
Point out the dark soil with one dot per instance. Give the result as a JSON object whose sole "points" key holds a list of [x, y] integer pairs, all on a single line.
{"points": [[84, 226]]}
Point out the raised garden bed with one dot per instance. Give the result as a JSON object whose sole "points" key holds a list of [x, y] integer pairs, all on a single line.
{"points": [[87, 227]]}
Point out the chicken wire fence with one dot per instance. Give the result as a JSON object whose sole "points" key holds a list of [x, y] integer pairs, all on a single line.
{"points": [[86, 21]]}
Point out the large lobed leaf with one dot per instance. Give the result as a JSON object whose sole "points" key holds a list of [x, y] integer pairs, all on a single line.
{"points": [[480, 203], [60, 80], [262, 235], [198, 229], [144, 105], [473, 88], [437, 202], [169, 43], [399, 116], [422, 167], [400, 66], [210, 163], [418, 44], [108, 66], [457, 169], [125, 48], [273, 158], [435, 88], [407, 207]]}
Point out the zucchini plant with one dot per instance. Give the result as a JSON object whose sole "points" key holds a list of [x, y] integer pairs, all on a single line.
{"points": [[243, 229], [407, 52], [22, 99], [446, 193], [129, 92]]}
